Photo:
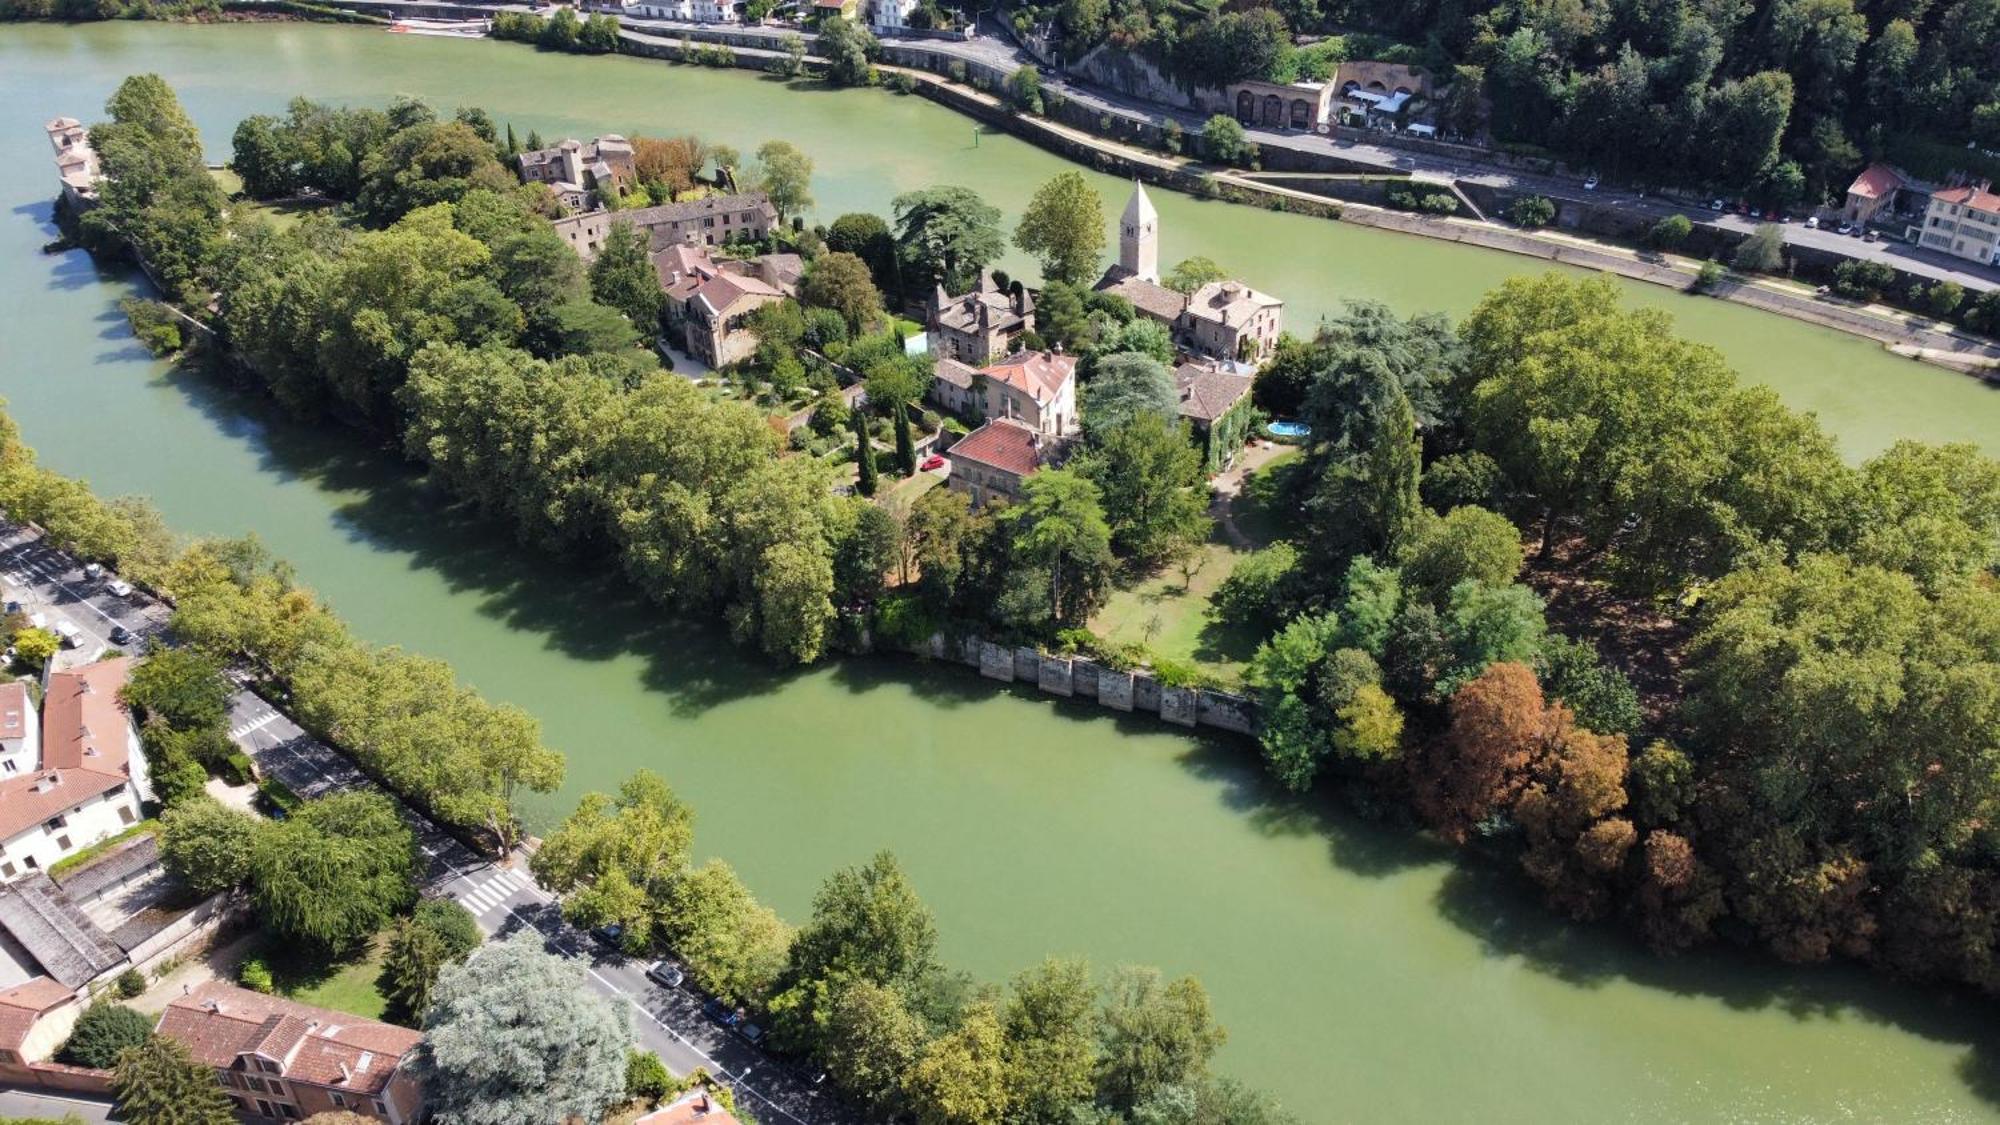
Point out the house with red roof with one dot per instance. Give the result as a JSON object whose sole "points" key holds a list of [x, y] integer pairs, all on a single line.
{"points": [[1873, 191], [286, 1061], [1964, 221], [90, 777], [709, 302], [696, 1107], [991, 462], [1035, 389], [35, 1018]]}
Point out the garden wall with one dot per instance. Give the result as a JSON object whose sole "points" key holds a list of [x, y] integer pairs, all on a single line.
{"points": [[1078, 677]]}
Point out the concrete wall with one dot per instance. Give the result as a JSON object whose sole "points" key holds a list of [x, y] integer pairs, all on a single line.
{"points": [[1079, 677]]}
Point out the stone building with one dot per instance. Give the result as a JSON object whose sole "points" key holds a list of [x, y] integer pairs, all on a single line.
{"points": [[1964, 222], [979, 326], [577, 172], [714, 220]]}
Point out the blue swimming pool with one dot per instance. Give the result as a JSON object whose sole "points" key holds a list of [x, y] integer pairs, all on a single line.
{"points": [[1289, 429]]}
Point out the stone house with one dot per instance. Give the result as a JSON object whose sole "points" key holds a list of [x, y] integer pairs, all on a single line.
{"points": [[1230, 320], [980, 326], [76, 161], [1281, 105], [1216, 403], [576, 171], [35, 1018], [991, 462], [1035, 389], [287, 1061], [714, 220], [956, 389], [91, 777], [709, 302]]}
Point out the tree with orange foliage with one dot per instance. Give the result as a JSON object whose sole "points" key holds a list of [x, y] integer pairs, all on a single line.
{"points": [[1578, 781], [668, 164], [1499, 724], [1679, 896]]}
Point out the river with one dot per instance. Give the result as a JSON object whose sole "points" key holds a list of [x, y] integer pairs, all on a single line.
{"points": [[1363, 975]]}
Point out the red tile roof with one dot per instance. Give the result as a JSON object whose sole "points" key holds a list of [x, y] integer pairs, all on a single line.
{"points": [[218, 1022], [1040, 375], [13, 711], [31, 798], [1974, 196], [1875, 181], [23, 1004], [1001, 444], [83, 724], [691, 1109]]}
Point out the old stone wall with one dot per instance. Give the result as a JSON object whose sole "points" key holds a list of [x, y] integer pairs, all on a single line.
{"points": [[1079, 677]]}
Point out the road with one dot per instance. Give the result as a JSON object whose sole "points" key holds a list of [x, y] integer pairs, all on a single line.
{"points": [[504, 898]]}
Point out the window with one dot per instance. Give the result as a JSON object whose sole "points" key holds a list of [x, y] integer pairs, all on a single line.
{"points": [[339, 1100], [264, 1109], [55, 822], [7, 870], [62, 842], [256, 1084], [379, 1107], [125, 814], [291, 1111]]}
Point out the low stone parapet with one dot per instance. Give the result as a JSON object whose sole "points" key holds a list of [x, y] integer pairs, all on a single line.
{"points": [[995, 662], [1179, 705], [1083, 677], [1114, 689], [1057, 675], [1028, 664]]}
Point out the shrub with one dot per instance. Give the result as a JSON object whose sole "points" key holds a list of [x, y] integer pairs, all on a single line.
{"points": [[1171, 136], [1222, 139], [1255, 591], [1709, 276], [1863, 281], [154, 324], [101, 1032], [237, 769], [1944, 298], [903, 82], [1532, 211], [1670, 232], [647, 1077], [1430, 202], [1762, 252], [1180, 673], [255, 975], [131, 983]]}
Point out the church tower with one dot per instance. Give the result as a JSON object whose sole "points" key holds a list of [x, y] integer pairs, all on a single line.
{"points": [[1139, 236]]}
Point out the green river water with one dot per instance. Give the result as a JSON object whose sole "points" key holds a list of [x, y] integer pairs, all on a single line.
{"points": [[1363, 975]]}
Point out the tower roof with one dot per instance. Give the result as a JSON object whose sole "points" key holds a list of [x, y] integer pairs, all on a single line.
{"points": [[1139, 209]]}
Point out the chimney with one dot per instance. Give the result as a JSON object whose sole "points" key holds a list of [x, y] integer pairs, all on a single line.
{"points": [[346, 1075]]}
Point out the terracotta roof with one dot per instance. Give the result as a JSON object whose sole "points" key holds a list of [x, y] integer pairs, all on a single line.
{"points": [[31, 798], [1230, 303], [218, 1022], [84, 726], [1875, 181], [15, 711], [1039, 375], [1002, 444], [1151, 298], [681, 265], [1208, 392], [23, 1004], [987, 306], [691, 1108], [1974, 196], [722, 291], [62, 940]]}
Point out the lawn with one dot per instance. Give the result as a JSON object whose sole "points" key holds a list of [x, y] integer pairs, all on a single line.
{"points": [[899, 496], [281, 215], [1169, 613], [344, 986]]}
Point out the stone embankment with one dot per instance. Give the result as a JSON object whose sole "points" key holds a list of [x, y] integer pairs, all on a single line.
{"points": [[1078, 677]]}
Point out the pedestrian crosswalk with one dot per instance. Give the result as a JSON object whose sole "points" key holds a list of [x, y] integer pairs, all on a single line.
{"points": [[486, 894], [258, 723]]}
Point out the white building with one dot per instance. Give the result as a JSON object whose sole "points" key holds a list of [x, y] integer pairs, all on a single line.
{"points": [[890, 16], [1964, 222], [20, 734], [89, 780], [1139, 237]]}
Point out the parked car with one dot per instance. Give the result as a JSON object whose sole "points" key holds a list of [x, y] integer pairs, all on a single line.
{"points": [[1591, 183], [72, 636], [1868, 236], [1846, 227], [666, 974], [934, 461], [119, 588], [94, 571], [610, 935], [13, 605], [1812, 222], [1715, 205], [120, 635], [720, 1012], [751, 1033]]}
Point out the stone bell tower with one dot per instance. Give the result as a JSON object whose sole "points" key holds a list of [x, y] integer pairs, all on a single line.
{"points": [[1139, 236]]}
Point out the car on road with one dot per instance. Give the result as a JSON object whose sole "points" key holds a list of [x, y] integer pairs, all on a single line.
{"points": [[120, 635], [666, 974], [119, 588], [1846, 228], [611, 935], [1591, 183], [1812, 222], [720, 1012], [1715, 205]]}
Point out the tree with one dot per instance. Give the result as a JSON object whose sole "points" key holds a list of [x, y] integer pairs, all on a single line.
{"points": [[1191, 274], [734, 946], [159, 1083], [1063, 226], [1127, 385], [946, 236], [840, 281], [794, 62], [517, 1034], [849, 51], [438, 934], [425, 164], [668, 165], [207, 844], [613, 855], [867, 237], [1155, 1033], [1024, 88], [871, 1041], [181, 687], [1499, 724], [1060, 530], [1468, 544], [867, 923], [1050, 1050], [961, 1077], [648, 1078], [1669, 233], [335, 871], [1601, 696], [1532, 211], [1762, 252], [1221, 50], [102, 1033], [622, 277], [1223, 140], [1930, 511], [785, 174], [1153, 491], [864, 456], [36, 647]]}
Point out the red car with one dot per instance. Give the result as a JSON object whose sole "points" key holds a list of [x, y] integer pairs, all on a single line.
{"points": [[934, 461]]}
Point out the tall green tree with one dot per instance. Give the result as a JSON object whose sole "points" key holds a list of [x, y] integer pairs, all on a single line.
{"points": [[334, 872], [1154, 492], [1060, 531], [1155, 1033], [622, 277], [946, 235], [1124, 386], [785, 174], [1063, 227], [160, 1083]]}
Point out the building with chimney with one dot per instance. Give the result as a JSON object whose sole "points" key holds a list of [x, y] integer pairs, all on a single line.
{"points": [[90, 776], [709, 302], [979, 327], [76, 161], [990, 463], [576, 171], [1224, 320], [696, 1107], [713, 220], [285, 1061], [1964, 222]]}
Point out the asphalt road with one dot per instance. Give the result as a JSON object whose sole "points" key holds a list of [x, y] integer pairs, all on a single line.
{"points": [[505, 900]]}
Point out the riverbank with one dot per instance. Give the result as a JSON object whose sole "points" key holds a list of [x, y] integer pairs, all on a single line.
{"points": [[931, 73]]}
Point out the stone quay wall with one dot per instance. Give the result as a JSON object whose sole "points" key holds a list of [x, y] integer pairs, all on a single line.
{"points": [[1080, 677]]}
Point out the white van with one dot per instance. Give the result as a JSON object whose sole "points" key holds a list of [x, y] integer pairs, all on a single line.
{"points": [[70, 634]]}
